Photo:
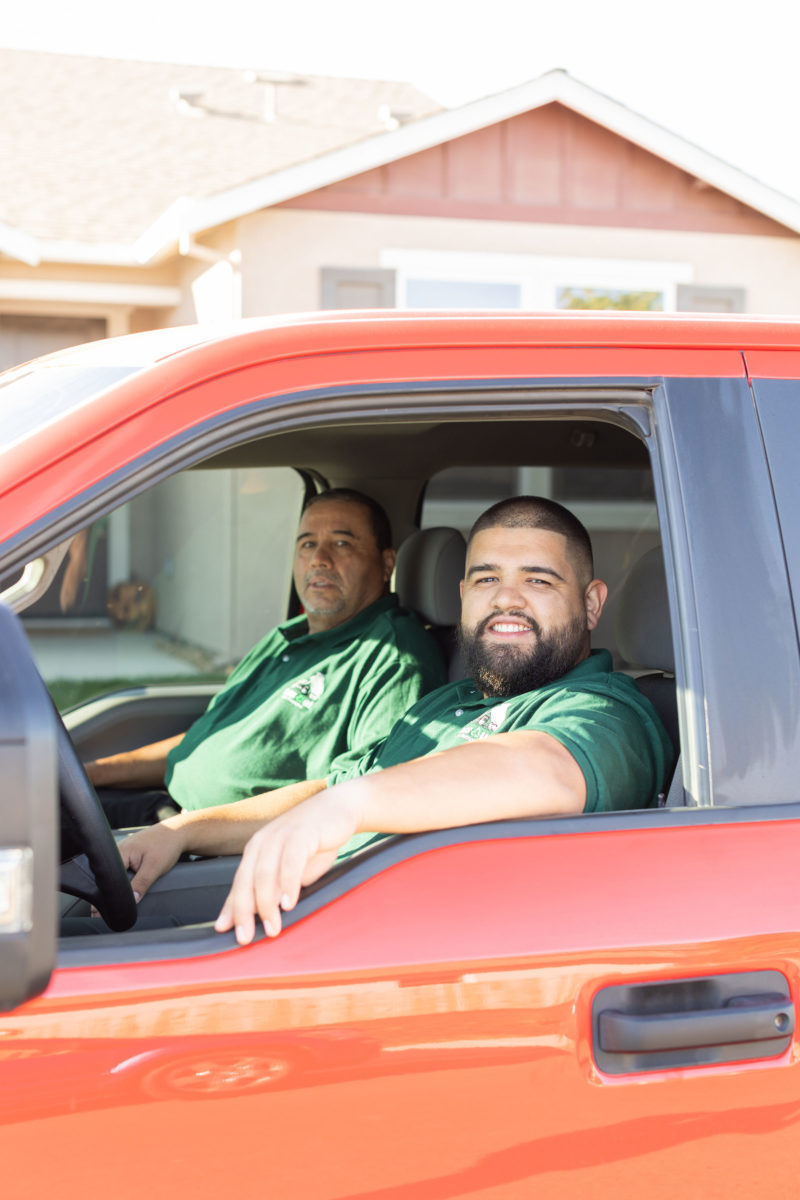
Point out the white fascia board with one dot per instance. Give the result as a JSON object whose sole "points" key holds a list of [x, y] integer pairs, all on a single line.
{"points": [[90, 254], [681, 153], [166, 230], [187, 216], [86, 254], [35, 251], [194, 216], [20, 246], [76, 291]]}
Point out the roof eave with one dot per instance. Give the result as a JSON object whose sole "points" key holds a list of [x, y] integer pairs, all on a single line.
{"points": [[194, 216], [620, 119], [19, 246], [35, 251], [187, 216]]}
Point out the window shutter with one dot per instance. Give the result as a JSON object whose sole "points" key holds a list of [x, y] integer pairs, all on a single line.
{"points": [[697, 298], [357, 287]]}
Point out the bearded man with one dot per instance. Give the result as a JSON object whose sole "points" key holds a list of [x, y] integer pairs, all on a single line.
{"points": [[542, 726]]}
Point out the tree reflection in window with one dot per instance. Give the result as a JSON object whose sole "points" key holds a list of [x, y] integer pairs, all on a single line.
{"points": [[609, 298]]}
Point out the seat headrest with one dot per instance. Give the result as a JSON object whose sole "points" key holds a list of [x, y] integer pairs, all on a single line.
{"points": [[430, 566], [644, 636]]}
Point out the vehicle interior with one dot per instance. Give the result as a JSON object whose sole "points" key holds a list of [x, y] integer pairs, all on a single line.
{"points": [[205, 554]]}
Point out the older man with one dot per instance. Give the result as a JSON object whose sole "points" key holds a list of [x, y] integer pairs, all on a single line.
{"points": [[314, 696], [542, 726]]}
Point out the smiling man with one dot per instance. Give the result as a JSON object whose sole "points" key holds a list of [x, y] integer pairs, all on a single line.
{"points": [[542, 726], [315, 695], [524, 624]]}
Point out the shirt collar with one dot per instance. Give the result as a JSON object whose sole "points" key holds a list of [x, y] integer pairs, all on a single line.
{"points": [[296, 630], [598, 663]]}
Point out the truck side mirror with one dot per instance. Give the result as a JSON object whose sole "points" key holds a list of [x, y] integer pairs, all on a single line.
{"points": [[28, 821]]}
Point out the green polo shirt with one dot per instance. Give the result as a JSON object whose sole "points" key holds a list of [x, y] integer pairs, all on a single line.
{"points": [[611, 730], [302, 704]]}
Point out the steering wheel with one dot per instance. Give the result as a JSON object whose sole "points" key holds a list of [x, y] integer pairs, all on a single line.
{"points": [[93, 869]]}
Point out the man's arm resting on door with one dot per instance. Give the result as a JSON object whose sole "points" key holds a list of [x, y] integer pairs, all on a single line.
{"points": [[519, 774]]}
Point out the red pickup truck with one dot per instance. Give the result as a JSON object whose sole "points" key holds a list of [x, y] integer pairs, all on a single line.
{"points": [[598, 1005]]}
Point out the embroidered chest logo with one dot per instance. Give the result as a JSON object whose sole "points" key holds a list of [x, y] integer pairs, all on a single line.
{"points": [[304, 693], [486, 724]]}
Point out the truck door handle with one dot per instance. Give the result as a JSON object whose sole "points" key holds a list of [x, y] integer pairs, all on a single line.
{"points": [[744, 1019], [692, 1022]]}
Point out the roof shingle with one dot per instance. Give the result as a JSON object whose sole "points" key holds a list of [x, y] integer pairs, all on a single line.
{"points": [[93, 150]]}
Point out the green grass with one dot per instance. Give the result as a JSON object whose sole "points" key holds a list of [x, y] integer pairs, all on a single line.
{"points": [[68, 693]]}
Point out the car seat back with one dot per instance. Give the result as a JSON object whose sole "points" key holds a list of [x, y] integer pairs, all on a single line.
{"points": [[430, 566], [644, 638]]}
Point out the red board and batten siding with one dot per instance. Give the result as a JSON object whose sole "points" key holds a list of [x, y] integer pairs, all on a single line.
{"points": [[548, 166]]}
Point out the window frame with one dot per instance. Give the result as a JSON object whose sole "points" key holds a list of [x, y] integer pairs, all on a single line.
{"points": [[538, 276]]}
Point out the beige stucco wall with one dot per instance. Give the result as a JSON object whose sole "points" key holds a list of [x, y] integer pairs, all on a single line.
{"points": [[283, 251], [206, 290]]}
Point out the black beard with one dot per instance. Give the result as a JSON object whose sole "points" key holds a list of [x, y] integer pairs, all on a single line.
{"points": [[508, 671]]}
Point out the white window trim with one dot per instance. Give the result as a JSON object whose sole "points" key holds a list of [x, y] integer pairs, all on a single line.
{"points": [[538, 276]]}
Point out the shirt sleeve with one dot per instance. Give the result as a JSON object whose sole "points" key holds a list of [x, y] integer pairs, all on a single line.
{"points": [[389, 690], [404, 664], [622, 751]]}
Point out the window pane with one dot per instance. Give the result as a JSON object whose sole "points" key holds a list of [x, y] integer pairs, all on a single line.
{"points": [[459, 293], [609, 298], [174, 587], [602, 483]]}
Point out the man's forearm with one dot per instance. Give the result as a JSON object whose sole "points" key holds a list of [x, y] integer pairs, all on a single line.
{"points": [[140, 768], [521, 774], [228, 828], [150, 852], [518, 774]]}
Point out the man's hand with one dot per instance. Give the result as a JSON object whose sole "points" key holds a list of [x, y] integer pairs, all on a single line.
{"points": [[525, 773], [290, 852], [153, 851], [150, 853]]}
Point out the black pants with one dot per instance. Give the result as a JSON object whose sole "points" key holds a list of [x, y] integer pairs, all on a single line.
{"points": [[126, 808]]}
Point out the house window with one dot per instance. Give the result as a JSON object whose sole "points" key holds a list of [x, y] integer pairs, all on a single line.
{"points": [[461, 293], [536, 283], [610, 298]]}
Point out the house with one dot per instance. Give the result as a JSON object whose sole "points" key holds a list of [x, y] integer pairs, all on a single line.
{"points": [[139, 195], [143, 195]]}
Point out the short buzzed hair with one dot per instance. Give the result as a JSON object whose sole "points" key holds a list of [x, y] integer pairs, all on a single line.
{"points": [[379, 521], [537, 512]]}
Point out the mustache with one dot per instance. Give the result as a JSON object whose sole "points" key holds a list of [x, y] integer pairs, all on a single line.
{"points": [[326, 576], [515, 615]]}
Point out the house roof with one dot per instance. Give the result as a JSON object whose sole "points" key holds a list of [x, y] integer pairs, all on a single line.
{"points": [[118, 161], [94, 150]]}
